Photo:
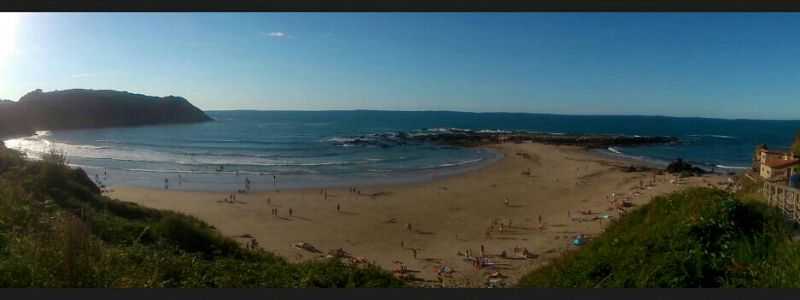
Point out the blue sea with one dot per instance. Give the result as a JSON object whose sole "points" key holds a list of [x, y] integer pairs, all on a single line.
{"points": [[291, 149]]}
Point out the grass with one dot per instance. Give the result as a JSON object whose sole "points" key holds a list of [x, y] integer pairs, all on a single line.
{"points": [[701, 237], [56, 230]]}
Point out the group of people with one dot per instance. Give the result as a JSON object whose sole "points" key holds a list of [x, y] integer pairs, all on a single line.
{"points": [[253, 245], [355, 191], [275, 212]]}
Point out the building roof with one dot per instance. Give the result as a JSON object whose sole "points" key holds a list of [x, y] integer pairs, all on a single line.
{"points": [[771, 151], [781, 163]]}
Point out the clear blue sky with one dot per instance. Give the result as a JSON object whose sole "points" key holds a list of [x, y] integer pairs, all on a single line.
{"points": [[681, 64]]}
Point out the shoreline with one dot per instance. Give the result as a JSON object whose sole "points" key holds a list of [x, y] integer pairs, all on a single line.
{"points": [[567, 188]]}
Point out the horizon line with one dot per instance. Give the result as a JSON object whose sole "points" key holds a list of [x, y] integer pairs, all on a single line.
{"points": [[503, 112]]}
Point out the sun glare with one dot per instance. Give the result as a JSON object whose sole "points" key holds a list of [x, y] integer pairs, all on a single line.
{"points": [[8, 30]]}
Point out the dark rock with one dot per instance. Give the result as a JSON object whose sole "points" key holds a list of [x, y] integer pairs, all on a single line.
{"points": [[80, 177], [13, 122], [471, 139], [684, 168]]}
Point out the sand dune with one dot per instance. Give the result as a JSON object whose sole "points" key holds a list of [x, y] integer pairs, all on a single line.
{"points": [[447, 215]]}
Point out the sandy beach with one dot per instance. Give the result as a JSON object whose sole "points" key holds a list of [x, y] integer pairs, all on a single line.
{"points": [[447, 215]]}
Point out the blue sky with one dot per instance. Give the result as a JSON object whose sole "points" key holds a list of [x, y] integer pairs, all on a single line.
{"points": [[729, 65]]}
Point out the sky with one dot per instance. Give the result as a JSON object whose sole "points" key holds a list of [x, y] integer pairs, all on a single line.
{"points": [[720, 65]]}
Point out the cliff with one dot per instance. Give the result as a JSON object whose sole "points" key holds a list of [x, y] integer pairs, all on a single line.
{"points": [[78, 108], [12, 120]]}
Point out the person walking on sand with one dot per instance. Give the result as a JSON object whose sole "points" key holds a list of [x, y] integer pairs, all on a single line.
{"points": [[540, 219], [483, 251], [166, 183], [414, 251], [338, 208], [290, 212], [408, 226], [505, 202]]}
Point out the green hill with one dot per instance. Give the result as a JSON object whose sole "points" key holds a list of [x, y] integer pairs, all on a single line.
{"points": [[697, 238], [56, 230]]}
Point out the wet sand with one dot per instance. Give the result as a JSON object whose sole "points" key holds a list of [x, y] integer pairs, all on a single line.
{"points": [[447, 215]]}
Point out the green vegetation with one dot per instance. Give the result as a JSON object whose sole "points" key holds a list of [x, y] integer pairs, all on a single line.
{"points": [[796, 144], [56, 230], [701, 237], [749, 191]]}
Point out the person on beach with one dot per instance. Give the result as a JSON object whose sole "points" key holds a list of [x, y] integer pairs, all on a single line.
{"points": [[402, 244], [268, 200], [540, 219], [483, 251], [290, 211], [414, 251], [505, 202], [166, 183], [408, 226]]}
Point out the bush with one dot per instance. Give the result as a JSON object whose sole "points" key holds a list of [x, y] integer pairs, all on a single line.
{"points": [[57, 231], [698, 238]]}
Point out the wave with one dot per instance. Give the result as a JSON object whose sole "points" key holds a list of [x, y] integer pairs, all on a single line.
{"points": [[612, 149], [713, 135], [732, 167], [444, 165], [241, 172]]}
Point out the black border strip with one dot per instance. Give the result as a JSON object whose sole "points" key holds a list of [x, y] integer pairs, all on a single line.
{"points": [[401, 5]]}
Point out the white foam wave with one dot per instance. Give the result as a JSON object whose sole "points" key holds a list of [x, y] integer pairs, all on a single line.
{"points": [[713, 135], [463, 162], [732, 167]]}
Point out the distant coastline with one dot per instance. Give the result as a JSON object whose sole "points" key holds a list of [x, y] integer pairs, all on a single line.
{"points": [[79, 108]]}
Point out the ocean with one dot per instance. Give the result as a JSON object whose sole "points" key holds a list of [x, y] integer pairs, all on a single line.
{"points": [[294, 149]]}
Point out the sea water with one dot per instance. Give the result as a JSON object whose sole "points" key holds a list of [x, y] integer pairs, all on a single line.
{"points": [[291, 149]]}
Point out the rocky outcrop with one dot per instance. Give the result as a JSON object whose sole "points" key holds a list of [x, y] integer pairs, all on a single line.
{"points": [[685, 169], [12, 120], [72, 109], [471, 138]]}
